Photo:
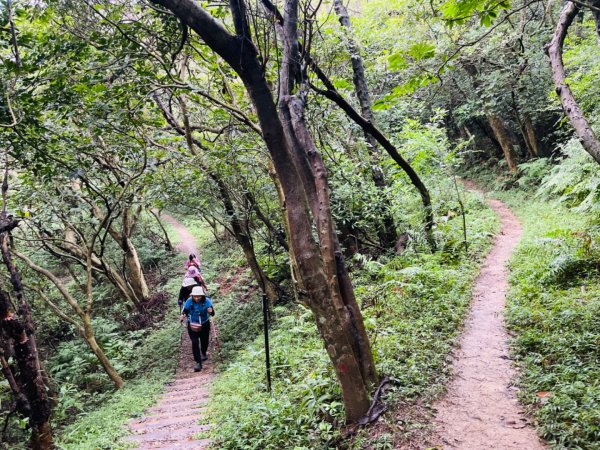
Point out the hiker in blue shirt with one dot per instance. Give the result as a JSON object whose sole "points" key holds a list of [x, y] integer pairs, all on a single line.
{"points": [[198, 309]]}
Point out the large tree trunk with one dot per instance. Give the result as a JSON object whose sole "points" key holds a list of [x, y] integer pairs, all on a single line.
{"points": [[586, 135], [316, 267], [505, 141], [32, 393], [387, 231]]}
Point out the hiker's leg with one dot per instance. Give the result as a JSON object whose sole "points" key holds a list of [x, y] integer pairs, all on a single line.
{"points": [[195, 345], [204, 335]]}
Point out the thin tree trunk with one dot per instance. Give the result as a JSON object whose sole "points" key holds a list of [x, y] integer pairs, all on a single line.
{"points": [[84, 328], [505, 141], [387, 232], [168, 244], [586, 135], [241, 233], [332, 94], [90, 339], [530, 137]]}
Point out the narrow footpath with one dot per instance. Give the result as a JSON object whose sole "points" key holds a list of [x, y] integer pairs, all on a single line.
{"points": [[480, 410], [176, 418]]}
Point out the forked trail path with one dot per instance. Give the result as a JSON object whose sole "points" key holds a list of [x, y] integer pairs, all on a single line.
{"points": [[176, 418], [480, 410]]}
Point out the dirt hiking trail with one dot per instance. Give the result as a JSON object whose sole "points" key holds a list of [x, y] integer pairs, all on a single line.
{"points": [[174, 420], [480, 410]]}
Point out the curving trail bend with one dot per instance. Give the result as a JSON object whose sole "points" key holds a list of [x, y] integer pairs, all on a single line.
{"points": [[480, 410]]}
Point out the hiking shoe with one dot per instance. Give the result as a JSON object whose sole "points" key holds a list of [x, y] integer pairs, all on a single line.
{"points": [[204, 356], [198, 367]]}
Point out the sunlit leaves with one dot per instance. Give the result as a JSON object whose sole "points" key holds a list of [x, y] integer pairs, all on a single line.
{"points": [[456, 12]]}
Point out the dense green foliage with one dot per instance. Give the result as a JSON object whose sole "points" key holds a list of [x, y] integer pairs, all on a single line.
{"points": [[414, 305], [112, 110]]}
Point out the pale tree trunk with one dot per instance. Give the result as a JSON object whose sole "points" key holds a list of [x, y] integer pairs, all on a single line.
{"points": [[136, 281], [90, 339], [84, 327], [584, 131], [530, 137], [315, 261], [503, 137], [387, 232]]}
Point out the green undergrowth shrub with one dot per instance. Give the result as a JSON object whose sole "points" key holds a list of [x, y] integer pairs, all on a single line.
{"points": [[90, 414], [413, 306], [553, 309], [101, 415]]}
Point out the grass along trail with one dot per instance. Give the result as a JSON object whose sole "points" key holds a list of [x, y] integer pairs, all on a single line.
{"points": [[480, 410], [174, 421]]}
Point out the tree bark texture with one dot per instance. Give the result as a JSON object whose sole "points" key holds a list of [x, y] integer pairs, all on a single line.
{"points": [[90, 339], [529, 136], [554, 49], [314, 260], [32, 396], [505, 140]]}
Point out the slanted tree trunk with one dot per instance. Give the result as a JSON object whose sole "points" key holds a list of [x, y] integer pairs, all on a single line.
{"points": [[506, 142], [239, 230], [315, 261], [122, 237], [168, 244], [84, 326], [387, 231], [584, 131], [90, 339]]}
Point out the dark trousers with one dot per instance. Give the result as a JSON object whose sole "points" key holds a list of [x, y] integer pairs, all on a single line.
{"points": [[203, 335]]}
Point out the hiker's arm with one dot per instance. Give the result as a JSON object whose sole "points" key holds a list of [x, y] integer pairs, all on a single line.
{"points": [[184, 313]]}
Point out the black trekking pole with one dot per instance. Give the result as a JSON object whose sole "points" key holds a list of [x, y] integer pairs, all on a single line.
{"points": [[265, 305]]}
